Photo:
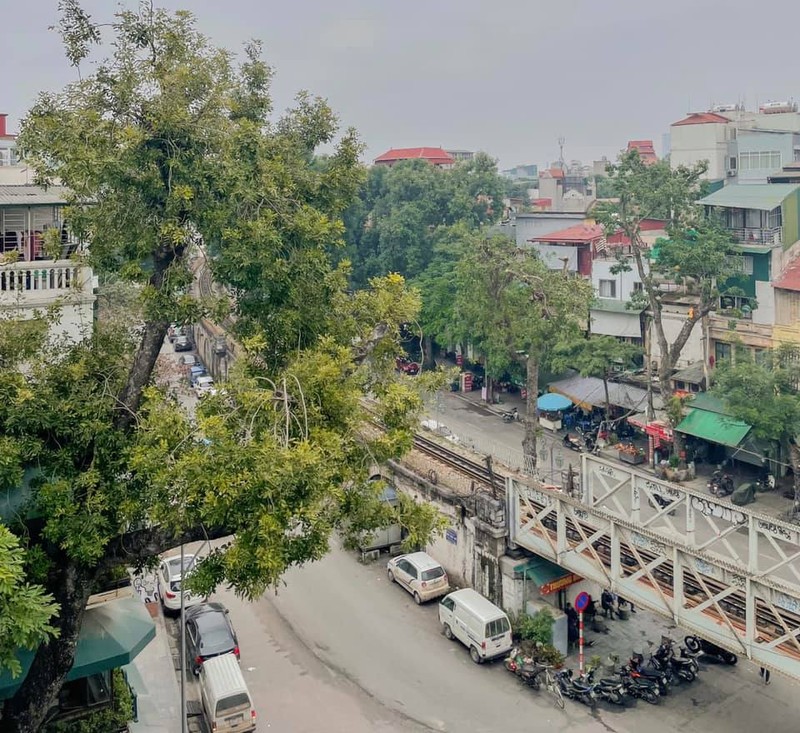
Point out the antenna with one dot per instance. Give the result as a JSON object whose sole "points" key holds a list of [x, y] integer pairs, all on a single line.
{"points": [[561, 141]]}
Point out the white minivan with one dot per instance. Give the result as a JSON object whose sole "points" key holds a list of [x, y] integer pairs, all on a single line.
{"points": [[477, 623], [226, 700]]}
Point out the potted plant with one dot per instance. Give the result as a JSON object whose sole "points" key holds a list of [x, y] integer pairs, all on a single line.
{"points": [[630, 453]]}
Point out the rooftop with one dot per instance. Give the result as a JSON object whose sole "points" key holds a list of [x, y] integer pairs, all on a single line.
{"points": [[790, 277], [432, 155], [701, 118], [578, 233], [764, 197], [32, 195]]}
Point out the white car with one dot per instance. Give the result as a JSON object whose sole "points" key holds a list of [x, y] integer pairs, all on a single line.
{"points": [[420, 575], [204, 385], [169, 578]]}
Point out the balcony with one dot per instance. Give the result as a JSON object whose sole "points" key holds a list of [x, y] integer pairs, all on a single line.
{"points": [[758, 235], [34, 284]]}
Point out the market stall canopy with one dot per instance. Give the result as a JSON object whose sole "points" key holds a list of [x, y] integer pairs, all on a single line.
{"points": [[588, 392], [112, 635], [547, 576], [552, 401], [708, 420]]}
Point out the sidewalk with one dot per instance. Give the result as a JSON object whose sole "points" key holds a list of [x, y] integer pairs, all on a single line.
{"points": [[152, 677]]}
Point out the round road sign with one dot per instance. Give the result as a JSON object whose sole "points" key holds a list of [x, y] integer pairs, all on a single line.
{"points": [[581, 602]]}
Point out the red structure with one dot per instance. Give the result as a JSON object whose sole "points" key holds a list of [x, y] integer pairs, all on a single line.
{"points": [[645, 148], [434, 156]]}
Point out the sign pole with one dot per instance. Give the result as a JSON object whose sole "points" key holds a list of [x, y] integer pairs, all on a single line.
{"points": [[580, 642]]}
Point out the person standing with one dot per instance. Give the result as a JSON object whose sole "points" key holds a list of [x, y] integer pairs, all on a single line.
{"points": [[764, 674]]}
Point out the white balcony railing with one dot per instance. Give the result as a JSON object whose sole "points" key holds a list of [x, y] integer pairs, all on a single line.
{"points": [[43, 282], [758, 235]]}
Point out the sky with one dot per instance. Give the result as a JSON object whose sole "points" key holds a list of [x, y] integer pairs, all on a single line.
{"points": [[508, 78]]}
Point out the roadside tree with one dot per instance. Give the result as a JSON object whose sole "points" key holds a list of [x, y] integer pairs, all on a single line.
{"points": [[171, 154], [517, 310]]}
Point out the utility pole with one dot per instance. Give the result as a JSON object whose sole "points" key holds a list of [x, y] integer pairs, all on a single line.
{"points": [[183, 645]]}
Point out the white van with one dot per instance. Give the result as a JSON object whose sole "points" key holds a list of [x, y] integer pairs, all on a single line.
{"points": [[477, 623], [226, 700]]}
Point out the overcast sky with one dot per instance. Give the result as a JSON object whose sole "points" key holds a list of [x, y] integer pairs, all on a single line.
{"points": [[506, 77]]}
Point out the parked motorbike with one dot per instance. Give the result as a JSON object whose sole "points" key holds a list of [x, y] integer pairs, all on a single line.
{"points": [[610, 689], [665, 660], [710, 651], [721, 484], [524, 668], [660, 676], [766, 483], [511, 416], [638, 686], [576, 690], [683, 656]]}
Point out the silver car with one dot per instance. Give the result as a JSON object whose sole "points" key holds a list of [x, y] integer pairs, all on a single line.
{"points": [[420, 575], [169, 577]]}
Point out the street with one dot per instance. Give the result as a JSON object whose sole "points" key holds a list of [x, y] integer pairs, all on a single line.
{"points": [[338, 648]]}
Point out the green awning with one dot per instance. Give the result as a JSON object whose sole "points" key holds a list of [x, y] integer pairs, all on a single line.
{"points": [[714, 427], [112, 634], [751, 196], [541, 571]]}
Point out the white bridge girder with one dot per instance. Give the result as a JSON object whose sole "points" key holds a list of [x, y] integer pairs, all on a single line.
{"points": [[727, 573]]}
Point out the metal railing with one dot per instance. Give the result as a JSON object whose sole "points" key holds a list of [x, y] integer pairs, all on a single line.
{"points": [[758, 235]]}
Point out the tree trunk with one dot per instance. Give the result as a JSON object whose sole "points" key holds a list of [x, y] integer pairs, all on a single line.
{"points": [[428, 361], [531, 415], [794, 459], [27, 710], [608, 402]]}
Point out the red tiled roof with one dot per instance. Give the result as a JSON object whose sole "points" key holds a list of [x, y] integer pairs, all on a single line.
{"points": [[701, 118], [556, 172], [437, 156], [646, 150], [577, 233], [790, 277]]}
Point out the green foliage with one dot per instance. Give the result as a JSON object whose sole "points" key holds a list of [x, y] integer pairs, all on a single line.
{"points": [[112, 718], [537, 628], [404, 211], [25, 610], [595, 356]]}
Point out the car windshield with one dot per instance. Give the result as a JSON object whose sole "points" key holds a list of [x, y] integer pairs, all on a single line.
{"points": [[432, 574]]}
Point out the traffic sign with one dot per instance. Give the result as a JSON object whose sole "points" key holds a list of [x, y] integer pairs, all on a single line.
{"points": [[581, 602]]}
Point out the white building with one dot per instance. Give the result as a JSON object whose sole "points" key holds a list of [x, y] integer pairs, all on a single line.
{"points": [[33, 277]]}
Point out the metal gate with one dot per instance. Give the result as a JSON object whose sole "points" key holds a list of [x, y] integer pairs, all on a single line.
{"points": [[724, 572]]}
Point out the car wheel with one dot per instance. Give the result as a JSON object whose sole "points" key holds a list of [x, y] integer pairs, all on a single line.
{"points": [[391, 577], [474, 656], [448, 632], [417, 598]]}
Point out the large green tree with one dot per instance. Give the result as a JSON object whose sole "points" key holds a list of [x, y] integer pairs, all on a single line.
{"points": [[171, 152], [696, 255], [403, 212], [764, 394], [516, 309]]}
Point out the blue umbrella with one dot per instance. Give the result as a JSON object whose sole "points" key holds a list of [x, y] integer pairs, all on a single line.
{"points": [[551, 401]]}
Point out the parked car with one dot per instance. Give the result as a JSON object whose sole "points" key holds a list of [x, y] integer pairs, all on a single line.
{"points": [[209, 633], [174, 331], [186, 362], [169, 577], [204, 385], [195, 372], [477, 623], [420, 575], [182, 343]]}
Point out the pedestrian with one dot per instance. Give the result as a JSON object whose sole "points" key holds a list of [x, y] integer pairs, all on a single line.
{"points": [[764, 674], [607, 603], [625, 602], [572, 615]]}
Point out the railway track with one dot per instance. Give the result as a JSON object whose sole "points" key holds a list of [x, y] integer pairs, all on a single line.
{"points": [[770, 625], [477, 471]]}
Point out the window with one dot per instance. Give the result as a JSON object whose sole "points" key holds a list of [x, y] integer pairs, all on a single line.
{"points": [[732, 163], [638, 288], [722, 351], [432, 574], [232, 703], [608, 288], [764, 160], [449, 603], [85, 692], [497, 627], [5, 156], [741, 264]]}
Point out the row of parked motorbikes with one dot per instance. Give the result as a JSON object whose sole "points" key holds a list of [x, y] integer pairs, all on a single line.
{"points": [[638, 679]]}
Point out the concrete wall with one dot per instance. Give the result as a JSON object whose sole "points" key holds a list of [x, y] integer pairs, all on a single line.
{"points": [[601, 270], [673, 318], [765, 295], [689, 144], [758, 141]]}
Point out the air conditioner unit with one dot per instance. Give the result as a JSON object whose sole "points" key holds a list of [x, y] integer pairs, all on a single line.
{"points": [[731, 174]]}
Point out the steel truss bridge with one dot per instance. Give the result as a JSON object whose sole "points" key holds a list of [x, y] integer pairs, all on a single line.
{"points": [[727, 573]]}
